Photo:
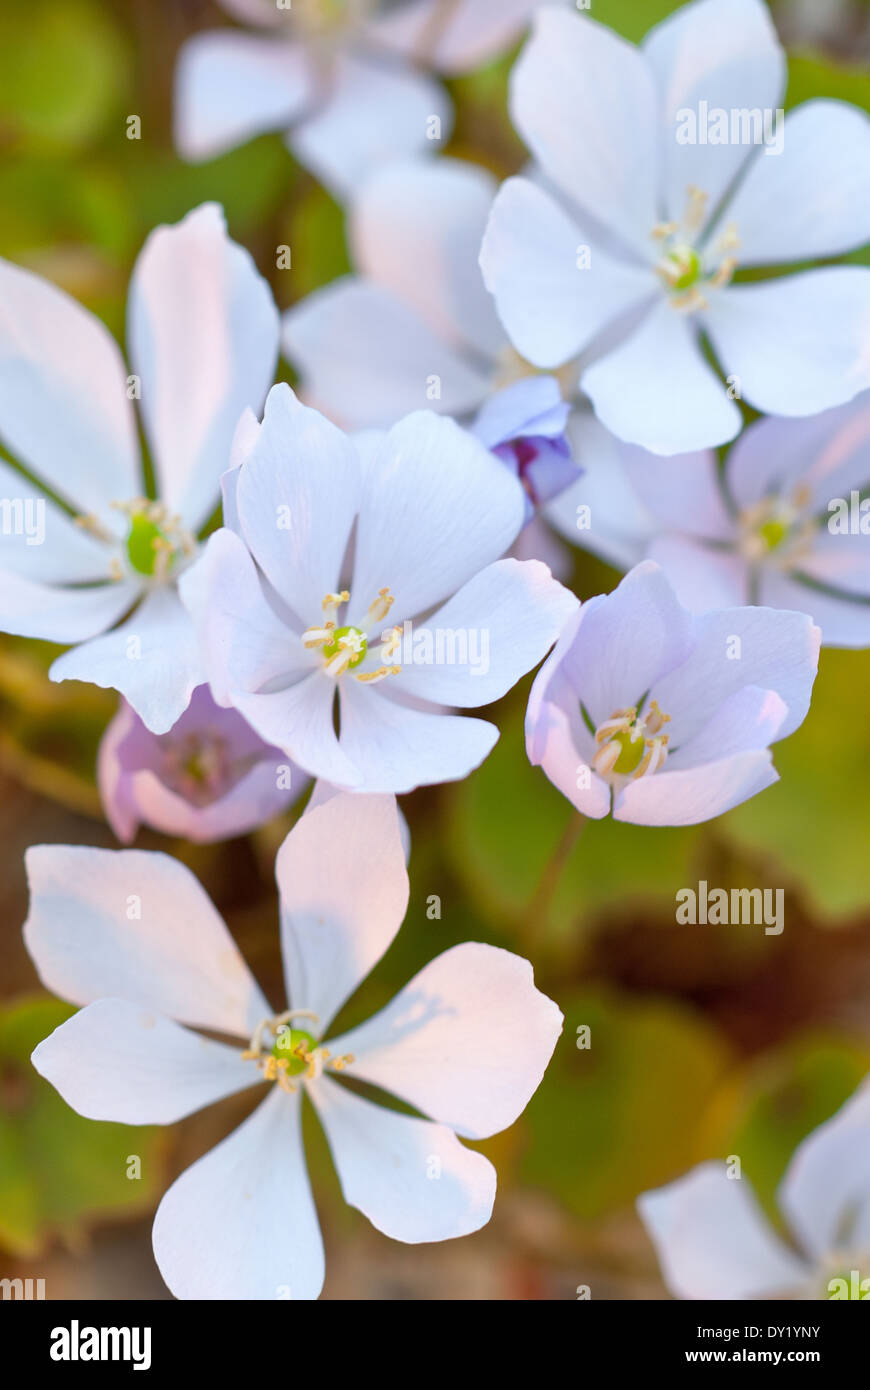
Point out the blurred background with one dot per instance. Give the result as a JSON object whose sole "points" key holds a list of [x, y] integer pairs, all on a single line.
{"points": [[705, 1041]]}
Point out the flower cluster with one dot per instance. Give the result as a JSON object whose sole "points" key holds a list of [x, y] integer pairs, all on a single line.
{"points": [[297, 593]]}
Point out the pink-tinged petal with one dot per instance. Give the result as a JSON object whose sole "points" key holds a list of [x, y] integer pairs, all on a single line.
{"points": [[733, 648], [416, 228], [497, 627], [575, 75], [117, 1061], [367, 359], [696, 794], [825, 1194], [64, 409], [231, 86], [702, 578], [823, 456], [557, 738], [746, 722], [722, 52], [344, 891], [203, 331], [241, 1223], [656, 389], [395, 748], [453, 38], [627, 642], [437, 508], [375, 111], [297, 496], [552, 297], [29, 609], [798, 344], [137, 926], [243, 642], [713, 1240], [300, 720], [812, 197], [844, 620], [114, 782], [265, 792], [413, 1180], [152, 659], [467, 1041]]}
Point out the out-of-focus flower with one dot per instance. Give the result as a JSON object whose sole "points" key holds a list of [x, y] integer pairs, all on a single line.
{"points": [[203, 341], [344, 77], [415, 327], [785, 523], [630, 258], [662, 718], [420, 613], [209, 778], [466, 1043], [713, 1240]]}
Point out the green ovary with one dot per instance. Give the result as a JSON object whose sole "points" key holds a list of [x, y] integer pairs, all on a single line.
{"points": [[773, 533], [632, 750], [291, 1046], [687, 267], [144, 543], [344, 638]]}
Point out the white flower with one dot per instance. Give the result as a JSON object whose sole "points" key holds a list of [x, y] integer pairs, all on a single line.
{"points": [[783, 522], [203, 338], [466, 1043], [661, 718], [343, 77], [632, 260], [713, 1240], [367, 572]]}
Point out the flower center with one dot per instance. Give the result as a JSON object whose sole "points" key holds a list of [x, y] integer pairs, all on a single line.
{"points": [[774, 528], [156, 541], [629, 746], [294, 1052], [680, 265], [345, 647]]}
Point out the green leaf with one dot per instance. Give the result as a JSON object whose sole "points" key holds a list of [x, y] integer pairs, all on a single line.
{"points": [[816, 821], [57, 1169]]}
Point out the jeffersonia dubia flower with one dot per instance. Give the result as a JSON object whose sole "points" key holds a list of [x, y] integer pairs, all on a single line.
{"points": [[783, 523], [664, 718], [203, 341], [713, 1240], [466, 1043], [524, 425], [344, 77], [366, 572], [636, 264], [209, 778]]}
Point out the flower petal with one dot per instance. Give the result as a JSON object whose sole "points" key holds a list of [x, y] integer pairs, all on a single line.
{"points": [[152, 659], [416, 229], [844, 620], [695, 794], [56, 614], [576, 75], [337, 922], [702, 578], [300, 720], [467, 1041], [138, 926], [231, 86], [413, 1180], [40, 541], [64, 410], [297, 496], [812, 197], [502, 622], [798, 344], [367, 359], [824, 455], [454, 38], [375, 111], [722, 52], [117, 1061], [551, 301], [713, 1241], [203, 332], [656, 390], [830, 1215], [241, 1223], [437, 508], [395, 748]]}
